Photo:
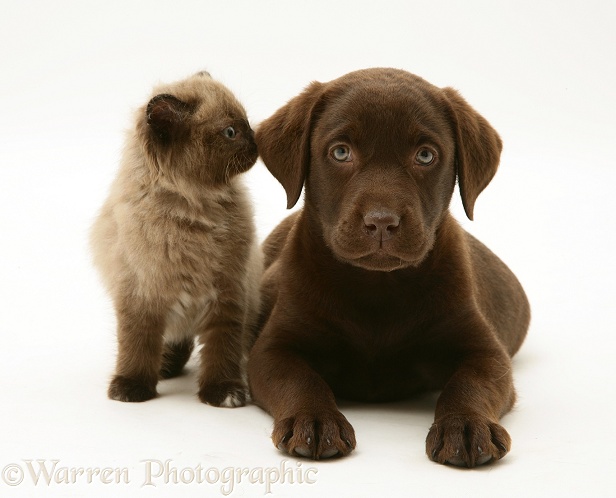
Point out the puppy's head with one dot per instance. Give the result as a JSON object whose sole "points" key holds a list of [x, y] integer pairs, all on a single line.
{"points": [[378, 151], [196, 131]]}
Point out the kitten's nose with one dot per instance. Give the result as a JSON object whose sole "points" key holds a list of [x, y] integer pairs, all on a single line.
{"points": [[382, 224]]}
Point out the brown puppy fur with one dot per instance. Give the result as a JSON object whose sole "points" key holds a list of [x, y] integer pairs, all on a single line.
{"points": [[373, 292], [175, 244]]}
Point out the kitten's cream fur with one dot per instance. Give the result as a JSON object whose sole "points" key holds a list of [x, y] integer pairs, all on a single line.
{"points": [[175, 243]]}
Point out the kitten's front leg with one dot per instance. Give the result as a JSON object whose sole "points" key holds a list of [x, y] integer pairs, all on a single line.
{"points": [[140, 343], [221, 381]]}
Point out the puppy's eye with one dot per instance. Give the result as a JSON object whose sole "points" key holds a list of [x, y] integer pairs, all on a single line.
{"points": [[229, 132], [341, 153], [425, 157]]}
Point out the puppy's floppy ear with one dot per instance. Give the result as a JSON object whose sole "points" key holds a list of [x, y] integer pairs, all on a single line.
{"points": [[166, 116], [478, 149], [283, 141]]}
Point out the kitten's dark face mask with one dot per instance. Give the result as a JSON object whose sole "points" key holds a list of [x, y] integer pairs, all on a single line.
{"points": [[209, 142], [236, 143]]}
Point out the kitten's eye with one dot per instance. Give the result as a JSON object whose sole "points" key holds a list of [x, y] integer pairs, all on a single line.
{"points": [[229, 132], [341, 153], [425, 157]]}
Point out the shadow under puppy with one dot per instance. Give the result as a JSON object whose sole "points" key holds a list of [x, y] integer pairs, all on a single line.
{"points": [[175, 244], [372, 291]]}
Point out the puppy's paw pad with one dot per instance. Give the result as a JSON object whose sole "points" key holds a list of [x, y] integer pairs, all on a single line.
{"points": [[303, 451], [329, 453], [130, 390], [227, 394], [317, 436], [466, 441]]}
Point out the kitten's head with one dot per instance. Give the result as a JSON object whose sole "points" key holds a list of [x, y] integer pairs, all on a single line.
{"points": [[196, 131]]}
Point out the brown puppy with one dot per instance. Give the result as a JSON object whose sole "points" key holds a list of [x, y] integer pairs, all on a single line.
{"points": [[176, 247], [373, 292]]}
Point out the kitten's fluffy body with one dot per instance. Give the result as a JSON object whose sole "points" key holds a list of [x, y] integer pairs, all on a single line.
{"points": [[176, 246]]}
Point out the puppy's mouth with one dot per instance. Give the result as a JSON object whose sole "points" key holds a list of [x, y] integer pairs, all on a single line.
{"points": [[384, 259]]}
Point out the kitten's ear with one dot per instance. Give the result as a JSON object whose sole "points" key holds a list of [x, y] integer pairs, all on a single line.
{"points": [[283, 141], [166, 116], [478, 149]]}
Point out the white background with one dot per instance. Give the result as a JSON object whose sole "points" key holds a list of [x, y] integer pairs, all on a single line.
{"points": [[542, 72]]}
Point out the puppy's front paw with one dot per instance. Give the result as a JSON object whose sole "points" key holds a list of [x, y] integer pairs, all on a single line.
{"points": [[227, 394], [131, 390], [466, 440], [316, 436]]}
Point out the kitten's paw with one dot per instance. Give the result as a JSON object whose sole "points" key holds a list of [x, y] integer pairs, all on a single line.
{"points": [[227, 394], [317, 435], [131, 390], [466, 441]]}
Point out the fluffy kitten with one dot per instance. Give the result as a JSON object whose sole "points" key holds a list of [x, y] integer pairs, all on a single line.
{"points": [[175, 243]]}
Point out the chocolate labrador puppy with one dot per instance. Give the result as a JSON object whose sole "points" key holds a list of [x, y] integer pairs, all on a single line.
{"points": [[372, 291]]}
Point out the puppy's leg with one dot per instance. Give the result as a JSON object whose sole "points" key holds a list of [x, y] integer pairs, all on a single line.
{"points": [[175, 357], [140, 341], [466, 431], [307, 421], [222, 354]]}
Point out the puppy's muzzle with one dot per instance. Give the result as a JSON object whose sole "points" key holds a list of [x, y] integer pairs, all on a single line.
{"points": [[381, 224]]}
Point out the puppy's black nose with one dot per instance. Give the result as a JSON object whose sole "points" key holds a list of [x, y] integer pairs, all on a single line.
{"points": [[381, 224]]}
